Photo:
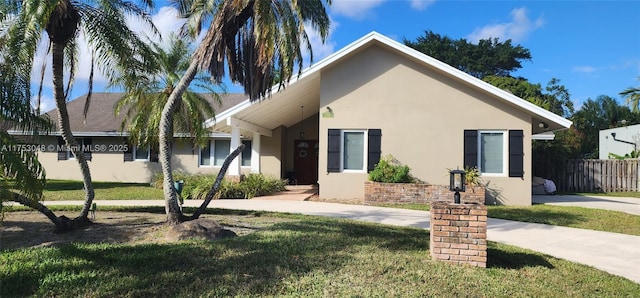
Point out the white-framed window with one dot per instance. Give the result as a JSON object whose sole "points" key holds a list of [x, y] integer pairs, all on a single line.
{"points": [[354, 154], [492, 152], [81, 145], [141, 153], [214, 153], [246, 153]]}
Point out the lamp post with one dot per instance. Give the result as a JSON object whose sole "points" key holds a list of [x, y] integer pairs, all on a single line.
{"points": [[457, 183]]}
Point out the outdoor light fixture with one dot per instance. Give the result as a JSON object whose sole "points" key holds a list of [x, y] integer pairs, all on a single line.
{"points": [[543, 125], [457, 183]]}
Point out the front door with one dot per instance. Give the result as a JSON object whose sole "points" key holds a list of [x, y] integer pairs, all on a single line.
{"points": [[305, 161]]}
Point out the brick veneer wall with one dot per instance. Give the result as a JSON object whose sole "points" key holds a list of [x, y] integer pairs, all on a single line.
{"points": [[377, 192], [459, 233]]}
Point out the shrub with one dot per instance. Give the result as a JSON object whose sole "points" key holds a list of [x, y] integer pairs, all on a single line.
{"points": [[390, 170], [196, 186]]}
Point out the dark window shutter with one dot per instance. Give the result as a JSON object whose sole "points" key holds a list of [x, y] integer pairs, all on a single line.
{"points": [[333, 153], [153, 155], [516, 153], [374, 148], [128, 154], [87, 148], [62, 154], [470, 148]]}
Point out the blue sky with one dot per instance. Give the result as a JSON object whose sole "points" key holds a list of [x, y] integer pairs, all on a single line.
{"points": [[593, 47]]}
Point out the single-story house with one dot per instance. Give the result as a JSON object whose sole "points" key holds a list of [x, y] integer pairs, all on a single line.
{"points": [[332, 123], [113, 158], [619, 141]]}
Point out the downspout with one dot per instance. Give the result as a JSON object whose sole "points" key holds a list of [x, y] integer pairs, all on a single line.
{"points": [[635, 149]]}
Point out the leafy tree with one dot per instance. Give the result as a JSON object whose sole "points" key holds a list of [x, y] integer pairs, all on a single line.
{"points": [[147, 92], [254, 40], [26, 23], [556, 98], [632, 95], [602, 113], [488, 57]]}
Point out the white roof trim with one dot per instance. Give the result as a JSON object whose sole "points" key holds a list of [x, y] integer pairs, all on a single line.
{"points": [[110, 134], [544, 137], [375, 36]]}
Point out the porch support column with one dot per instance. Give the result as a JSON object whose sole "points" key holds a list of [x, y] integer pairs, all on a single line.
{"points": [[234, 167], [255, 153]]}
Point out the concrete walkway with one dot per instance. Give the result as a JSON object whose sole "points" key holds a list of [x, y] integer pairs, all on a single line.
{"points": [[628, 205], [614, 253]]}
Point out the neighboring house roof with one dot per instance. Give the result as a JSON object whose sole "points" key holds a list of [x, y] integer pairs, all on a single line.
{"points": [[283, 106], [101, 119]]}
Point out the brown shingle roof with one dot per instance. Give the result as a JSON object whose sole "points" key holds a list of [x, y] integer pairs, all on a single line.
{"points": [[101, 117]]}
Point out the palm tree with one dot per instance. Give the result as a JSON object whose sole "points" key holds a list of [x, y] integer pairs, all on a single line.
{"points": [[255, 40], [633, 97], [24, 24], [22, 178], [147, 91]]}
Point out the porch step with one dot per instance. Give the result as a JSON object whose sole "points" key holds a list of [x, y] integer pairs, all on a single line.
{"points": [[301, 187]]}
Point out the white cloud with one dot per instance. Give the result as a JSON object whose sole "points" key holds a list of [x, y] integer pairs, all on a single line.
{"points": [[320, 49], [355, 9], [517, 30], [362, 9], [47, 103], [584, 69], [421, 4]]}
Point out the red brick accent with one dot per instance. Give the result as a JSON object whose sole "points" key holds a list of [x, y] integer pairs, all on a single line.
{"points": [[461, 238], [376, 192]]}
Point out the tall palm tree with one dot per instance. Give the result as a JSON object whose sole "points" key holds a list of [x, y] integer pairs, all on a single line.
{"points": [[24, 24], [147, 91], [632, 94], [254, 40]]}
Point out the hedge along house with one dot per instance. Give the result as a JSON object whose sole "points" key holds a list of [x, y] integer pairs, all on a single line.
{"points": [[375, 97], [113, 158]]}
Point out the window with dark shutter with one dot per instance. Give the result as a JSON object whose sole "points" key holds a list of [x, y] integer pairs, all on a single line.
{"points": [[86, 147], [333, 153], [374, 148], [153, 155], [128, 154], [470, 148], [516, 153], [62, 154]]}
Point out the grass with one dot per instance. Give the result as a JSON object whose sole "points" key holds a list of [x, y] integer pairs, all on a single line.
{"points": [[67, 190], [305, 256], [574, 217]]}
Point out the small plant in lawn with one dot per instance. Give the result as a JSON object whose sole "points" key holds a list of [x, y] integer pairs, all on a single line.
{"points": [[390, 170]]}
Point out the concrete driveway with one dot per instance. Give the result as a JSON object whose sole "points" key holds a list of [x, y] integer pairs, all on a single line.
{"points": [[628, 205]]}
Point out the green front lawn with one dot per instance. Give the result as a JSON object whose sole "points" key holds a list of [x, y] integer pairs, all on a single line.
{"points": [[302, 257], [67, 190], [575, 217]]}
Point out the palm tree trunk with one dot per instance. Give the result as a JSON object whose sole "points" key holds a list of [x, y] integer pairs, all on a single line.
{"points": [[172, 208], [16, 197], [216, 185], [65, 127]]}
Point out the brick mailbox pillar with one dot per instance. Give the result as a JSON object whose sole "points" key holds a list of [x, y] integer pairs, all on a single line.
{"points": [[459, 233]]}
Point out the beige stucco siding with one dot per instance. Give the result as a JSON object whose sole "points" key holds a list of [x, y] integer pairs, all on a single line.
{"points": [[109, 164], [271, 153], [422, 114]]}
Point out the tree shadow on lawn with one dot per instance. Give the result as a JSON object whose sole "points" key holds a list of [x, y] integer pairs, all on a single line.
{"points": [[254, 265], [503, 259], [536, 215]]}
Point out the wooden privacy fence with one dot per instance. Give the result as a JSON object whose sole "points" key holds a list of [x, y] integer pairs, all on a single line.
{"points": [[595, 175]]}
